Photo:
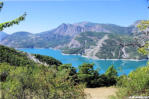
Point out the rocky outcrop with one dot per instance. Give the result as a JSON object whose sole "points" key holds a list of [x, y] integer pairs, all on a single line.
{"points": [[32, 57], [76, 28], [95, 49], [74, 43]]}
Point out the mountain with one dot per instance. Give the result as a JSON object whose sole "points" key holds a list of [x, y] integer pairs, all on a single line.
{"points": [[73, 29], [101, 45], [61, 35], [19, 39], [29, 40], [86, 38], [3, 35]]}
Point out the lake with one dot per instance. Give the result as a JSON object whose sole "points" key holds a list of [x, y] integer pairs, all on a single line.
{"points": [[122, 66]]}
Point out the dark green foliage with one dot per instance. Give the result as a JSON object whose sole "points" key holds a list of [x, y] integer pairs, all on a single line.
{"points": [[47, 59], [73, 50], [86, 73], [92, 78], [71, 71], [38, 82], [13, 57], [111, 75], [22, 78], [135, 84]]}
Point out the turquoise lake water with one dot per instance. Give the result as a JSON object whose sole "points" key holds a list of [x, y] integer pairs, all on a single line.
{"points": [[122, 66]]}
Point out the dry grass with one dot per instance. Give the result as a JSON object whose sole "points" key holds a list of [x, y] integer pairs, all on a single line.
{"points": [[100, 93]]}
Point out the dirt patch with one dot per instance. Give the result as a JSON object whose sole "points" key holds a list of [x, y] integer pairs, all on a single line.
{"points": [[100, 93]]}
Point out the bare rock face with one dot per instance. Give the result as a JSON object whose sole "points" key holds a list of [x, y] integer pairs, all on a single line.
{"points": [[68, 29], [76, 28], [74, 44]]}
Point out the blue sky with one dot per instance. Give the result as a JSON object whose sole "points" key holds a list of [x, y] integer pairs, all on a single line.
{"points": [[48, 14]]}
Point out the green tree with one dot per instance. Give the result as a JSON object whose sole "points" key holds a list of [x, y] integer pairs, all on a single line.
{"points": [[71, 71], [47, 59], [88, 75], [144, 39], [37, 82], [12, 22], [111, 72], [111, 75]]}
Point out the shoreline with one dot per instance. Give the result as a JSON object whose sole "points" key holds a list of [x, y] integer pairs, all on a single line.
{"points": [[87, 56], [106, 59]]}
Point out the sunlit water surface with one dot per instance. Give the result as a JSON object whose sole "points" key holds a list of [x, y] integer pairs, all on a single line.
{"points": [[122, 66]]}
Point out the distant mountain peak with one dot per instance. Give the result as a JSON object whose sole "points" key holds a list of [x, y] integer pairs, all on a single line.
{"points": [[83, 22], [22, 33], [3, 35]]}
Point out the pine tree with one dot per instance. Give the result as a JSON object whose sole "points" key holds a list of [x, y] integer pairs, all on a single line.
{"points": [[12, 22]]}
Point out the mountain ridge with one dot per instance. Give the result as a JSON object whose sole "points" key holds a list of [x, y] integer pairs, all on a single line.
{"points": [[71, 38], [98, 45], [3, 35]]}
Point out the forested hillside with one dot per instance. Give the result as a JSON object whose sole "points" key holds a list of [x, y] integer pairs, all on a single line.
{"points": [[24, 75], [101, 45], [13, 57], [23, 78]]}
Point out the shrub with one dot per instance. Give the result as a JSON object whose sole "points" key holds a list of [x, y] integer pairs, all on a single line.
{"points": [[39, 82], [92, 78], [135, 84], [111, 75]]}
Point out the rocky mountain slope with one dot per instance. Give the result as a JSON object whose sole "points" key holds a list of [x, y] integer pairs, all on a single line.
{"points": [[73, 29], [29, 40], [101, 42], [100, 45], [61, 35]]}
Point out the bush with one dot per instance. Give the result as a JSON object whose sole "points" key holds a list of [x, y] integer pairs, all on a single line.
{"points": [[39, 82], [92, 78], [135, 84], [88, 75], [111, 75], [47, 59], [71, 71]]}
